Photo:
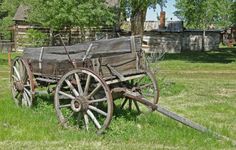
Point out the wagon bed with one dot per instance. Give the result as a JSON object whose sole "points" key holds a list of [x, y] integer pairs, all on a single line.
{"points": [[118, 53]]}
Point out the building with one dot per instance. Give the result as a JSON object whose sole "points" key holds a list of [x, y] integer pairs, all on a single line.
{"points": [[71, 36]]}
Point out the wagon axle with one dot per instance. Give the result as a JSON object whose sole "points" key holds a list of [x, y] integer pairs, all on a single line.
{"points": [[19, 86], [80, 104]]}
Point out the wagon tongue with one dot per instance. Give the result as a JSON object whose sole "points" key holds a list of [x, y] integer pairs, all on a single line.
{"points": [[137, 97]]}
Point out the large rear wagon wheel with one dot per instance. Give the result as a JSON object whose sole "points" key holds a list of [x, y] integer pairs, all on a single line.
{"points": [[83, 100], [146, 87], [21, 83]]}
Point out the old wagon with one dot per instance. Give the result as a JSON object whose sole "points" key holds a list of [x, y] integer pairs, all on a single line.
{"points": [[85, 79]]}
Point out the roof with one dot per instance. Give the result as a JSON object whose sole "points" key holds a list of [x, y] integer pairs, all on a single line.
{"points": [[21, 13]]}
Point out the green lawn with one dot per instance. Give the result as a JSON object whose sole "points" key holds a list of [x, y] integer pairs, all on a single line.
{"points": [[198, 85]]}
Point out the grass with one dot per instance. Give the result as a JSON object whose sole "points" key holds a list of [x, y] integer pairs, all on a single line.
{"points": [[198, 85]]}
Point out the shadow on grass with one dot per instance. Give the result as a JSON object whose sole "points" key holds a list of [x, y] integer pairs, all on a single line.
{"points": [[125, 113], [43, 100], [222, 55]]}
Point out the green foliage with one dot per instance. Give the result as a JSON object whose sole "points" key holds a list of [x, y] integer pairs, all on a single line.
{"points": [[35, 38], [7, 11], [233, 13], [5, 24], [203, 13], [58, 14]]}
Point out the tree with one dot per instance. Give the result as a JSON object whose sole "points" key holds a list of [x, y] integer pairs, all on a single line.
{"points": [[202, 13], [59, 14], [7, 11], [137, 10], [233, 13]]}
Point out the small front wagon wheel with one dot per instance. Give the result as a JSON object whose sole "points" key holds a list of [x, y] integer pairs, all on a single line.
{"points": [[83, 100], [147, 87], [22, 86]]}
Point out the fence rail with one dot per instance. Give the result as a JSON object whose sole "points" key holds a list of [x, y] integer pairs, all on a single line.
{"points": [[6, 46]]}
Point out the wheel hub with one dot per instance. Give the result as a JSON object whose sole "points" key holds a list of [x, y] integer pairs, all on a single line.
{"points": [[79, 104], [19, 86]]}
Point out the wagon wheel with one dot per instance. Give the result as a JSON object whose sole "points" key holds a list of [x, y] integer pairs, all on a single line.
{"points": [[146, 87], [21, 83], [83, 100]]}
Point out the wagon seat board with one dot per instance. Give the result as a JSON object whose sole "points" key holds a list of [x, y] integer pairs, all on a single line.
{"points": [[119, 54]]}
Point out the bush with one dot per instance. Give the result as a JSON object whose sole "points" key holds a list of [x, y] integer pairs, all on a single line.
{"points": [[35, 38]]}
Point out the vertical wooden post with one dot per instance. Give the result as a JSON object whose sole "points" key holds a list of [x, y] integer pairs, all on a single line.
{"points": [[9, 56]]}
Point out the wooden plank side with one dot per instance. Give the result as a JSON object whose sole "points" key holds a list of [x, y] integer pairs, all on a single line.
{"points": [[123, 64]]}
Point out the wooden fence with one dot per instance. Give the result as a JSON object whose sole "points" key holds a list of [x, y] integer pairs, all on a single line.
{"points": [[6, 46], [69, 36]]}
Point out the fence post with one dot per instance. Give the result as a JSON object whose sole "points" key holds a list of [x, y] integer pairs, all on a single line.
{"points": [[9, 56]]}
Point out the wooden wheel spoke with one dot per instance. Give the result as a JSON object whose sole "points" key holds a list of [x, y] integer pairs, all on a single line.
{"points": [[97, 124], [28, 92], [130, 104], [15, 78], [27, 99], [98, 100], [17, 94], [22, 71], [146, 85], [66, 105], [94, 91], [17, 73], [87, 85], [123, 104], [78, 84], [24, 99], [86, 121], [67, 95], [136, 105], [17, 63], [140, 79], [97, 110], [72, 87]]}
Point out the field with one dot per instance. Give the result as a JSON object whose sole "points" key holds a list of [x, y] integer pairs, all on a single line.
{"points": [[198, 85]]}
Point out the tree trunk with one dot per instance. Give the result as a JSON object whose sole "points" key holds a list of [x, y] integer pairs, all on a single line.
{"points": [[137, 22]]}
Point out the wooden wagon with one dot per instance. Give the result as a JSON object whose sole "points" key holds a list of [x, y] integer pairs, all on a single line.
{"points": [[86, 79]]}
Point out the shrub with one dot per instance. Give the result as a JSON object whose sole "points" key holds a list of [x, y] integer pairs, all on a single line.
{"points": [[35, 38]]}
